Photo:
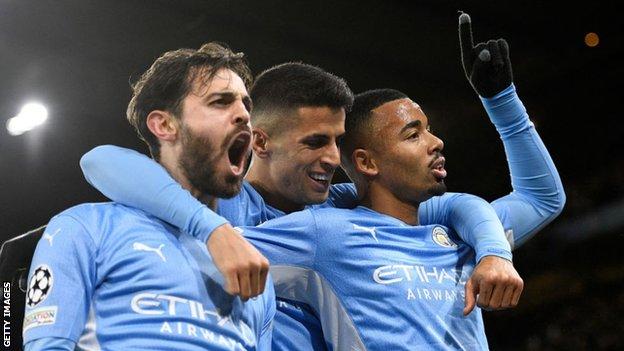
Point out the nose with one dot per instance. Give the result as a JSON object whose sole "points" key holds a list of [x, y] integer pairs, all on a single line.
{"points": [[436, 144], [331, 156], [241, 115]]}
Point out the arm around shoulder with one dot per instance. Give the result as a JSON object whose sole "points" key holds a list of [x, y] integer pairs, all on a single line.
{"points": [[135, 180], [474, 220]]}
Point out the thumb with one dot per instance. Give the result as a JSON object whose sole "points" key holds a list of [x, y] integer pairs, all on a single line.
{"points": [[471, 291], [485, 55], [481, 73]]}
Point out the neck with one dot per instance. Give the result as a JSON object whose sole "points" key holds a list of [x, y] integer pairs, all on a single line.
{"points": [[209, 201], [260, 179], [381, 200]]}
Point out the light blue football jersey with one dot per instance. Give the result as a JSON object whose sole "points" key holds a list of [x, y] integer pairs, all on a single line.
{"points": [[375, 282], [537, 196], [109, 277], [296, 325]]}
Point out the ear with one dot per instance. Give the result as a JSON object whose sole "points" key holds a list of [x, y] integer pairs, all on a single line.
{"points": [[364, 163], [163, 125], [260, 143]]}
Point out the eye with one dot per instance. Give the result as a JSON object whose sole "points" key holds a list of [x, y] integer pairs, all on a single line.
{"points": [[315, 142], [413, 135], [248, 104], [219, 102], [222, 101], [339, 140]]}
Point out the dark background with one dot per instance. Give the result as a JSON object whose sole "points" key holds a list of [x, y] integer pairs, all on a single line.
{"points": [[78, 57]]}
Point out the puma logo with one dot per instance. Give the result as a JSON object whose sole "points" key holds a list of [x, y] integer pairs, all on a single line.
{"points": [[143, 247], [49, 237], [367, 229]]}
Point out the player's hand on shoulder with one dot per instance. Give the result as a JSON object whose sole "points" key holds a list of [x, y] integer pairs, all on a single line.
{"points": [[245, 269], [494, 285]]}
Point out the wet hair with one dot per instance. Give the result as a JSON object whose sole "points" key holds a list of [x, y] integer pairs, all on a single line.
{"points": [[281, 89], [170, 79]]}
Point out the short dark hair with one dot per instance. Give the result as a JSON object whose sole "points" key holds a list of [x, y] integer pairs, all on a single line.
{"points": [[358, 128], [170, 78], [291, 85]]}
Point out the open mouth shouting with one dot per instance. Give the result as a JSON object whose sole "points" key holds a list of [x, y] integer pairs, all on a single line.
{"points": [[238, 151]]}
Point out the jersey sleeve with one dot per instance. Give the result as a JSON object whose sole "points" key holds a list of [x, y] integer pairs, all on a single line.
{"points": [[50, 344], [342, 195], [61, 282], [135, 180], [538, 196], [266, 334], [474, 220], [288, 240]]}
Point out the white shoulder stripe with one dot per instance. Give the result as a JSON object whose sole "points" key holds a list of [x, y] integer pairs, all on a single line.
{"points": [[307, 286], [88, 340]]}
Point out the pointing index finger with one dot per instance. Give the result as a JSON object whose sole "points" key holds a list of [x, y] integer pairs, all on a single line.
{"points": [[465, 33]]}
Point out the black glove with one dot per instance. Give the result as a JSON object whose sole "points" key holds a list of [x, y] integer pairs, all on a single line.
{"points": [[487, 65]]}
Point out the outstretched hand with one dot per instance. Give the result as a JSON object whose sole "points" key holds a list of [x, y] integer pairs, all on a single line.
{"points": [[487, 65], [244, 268], [493, 285]]}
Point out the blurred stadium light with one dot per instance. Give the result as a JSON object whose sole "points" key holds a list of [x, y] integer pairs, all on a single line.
{"points": [[31, 116]]}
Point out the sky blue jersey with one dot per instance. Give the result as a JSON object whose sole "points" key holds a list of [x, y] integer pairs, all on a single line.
{"points": [[537, 198], [297, 326], [375, 282], [110, 277]]}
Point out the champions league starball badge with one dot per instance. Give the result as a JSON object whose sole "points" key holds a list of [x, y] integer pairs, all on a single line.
{"points": [[39, 286]]}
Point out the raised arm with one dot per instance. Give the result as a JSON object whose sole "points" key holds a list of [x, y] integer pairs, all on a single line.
{"points": [[538, 196], [130, 178]]}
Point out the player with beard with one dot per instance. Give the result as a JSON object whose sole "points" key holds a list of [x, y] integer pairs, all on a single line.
{"points": [[296, 156], [106, 276], [298, 117]]}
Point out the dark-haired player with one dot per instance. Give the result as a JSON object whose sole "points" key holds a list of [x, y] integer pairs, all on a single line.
{"points": [[110, 277], [537, 198]]}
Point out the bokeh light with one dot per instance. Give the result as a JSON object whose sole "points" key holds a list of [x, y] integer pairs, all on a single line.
{"points": [[31, 116], [592, 39]]}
